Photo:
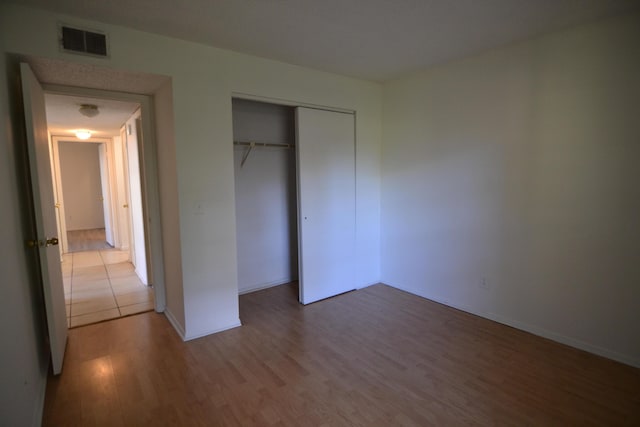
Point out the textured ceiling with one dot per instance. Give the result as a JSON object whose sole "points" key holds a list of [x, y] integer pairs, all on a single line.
{"points": [[370, 39], [63, 117], [56, 72]]}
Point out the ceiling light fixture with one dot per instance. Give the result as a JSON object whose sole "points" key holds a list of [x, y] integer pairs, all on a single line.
{"points": [[83, 134], [89, 110]]}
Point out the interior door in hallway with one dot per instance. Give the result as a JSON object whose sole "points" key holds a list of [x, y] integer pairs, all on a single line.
{"points": [[326, 202], [45, 216]]}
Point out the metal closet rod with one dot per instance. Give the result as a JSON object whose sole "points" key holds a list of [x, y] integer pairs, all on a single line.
{"points": [[258, 144], [263, 144]]}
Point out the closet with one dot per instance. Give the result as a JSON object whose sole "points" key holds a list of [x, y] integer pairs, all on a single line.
{"points": [[265, 186], [295, 198]]}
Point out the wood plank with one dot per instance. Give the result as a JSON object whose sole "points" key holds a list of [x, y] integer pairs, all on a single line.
{"points": [[373, 357]]}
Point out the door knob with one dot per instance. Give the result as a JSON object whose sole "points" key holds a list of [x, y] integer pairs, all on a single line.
{"points": [[52, 241], [49, 242], [125, 206]]}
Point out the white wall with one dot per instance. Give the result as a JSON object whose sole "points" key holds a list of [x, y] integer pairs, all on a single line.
{"points": [[81, 185], [520, 165], [265, 193], [203, 81], [168, 189]]}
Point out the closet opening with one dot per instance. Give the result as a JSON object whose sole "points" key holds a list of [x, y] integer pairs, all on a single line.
{"points": [[264, 150]]}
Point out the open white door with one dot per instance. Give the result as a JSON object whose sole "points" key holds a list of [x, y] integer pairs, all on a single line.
{"points": [[326, 202], [138, 241], [106, 193], [44, 206]]}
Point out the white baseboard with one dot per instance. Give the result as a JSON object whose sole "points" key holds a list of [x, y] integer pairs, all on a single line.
{"points": [[176, 325], [261, 286], [215, 331], [535, 330], [146, 283], [268, 285], [366, 285]]}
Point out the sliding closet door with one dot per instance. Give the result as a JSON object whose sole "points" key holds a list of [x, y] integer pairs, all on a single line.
{"points": [[326, 202]]}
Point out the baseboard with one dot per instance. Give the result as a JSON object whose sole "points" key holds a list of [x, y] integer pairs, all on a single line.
{"points": [[139, 277], [532, 329], [261, 286], [176, 325], [283, 281], [366, 285], [215, 331], [563, 339]]}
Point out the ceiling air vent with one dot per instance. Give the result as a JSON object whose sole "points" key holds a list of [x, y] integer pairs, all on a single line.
{"points": [[83, 41]]}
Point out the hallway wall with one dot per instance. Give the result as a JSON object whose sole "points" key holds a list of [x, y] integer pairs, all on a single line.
{"points": [[81, 185]]}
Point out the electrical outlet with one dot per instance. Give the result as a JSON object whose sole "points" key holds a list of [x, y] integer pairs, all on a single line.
{"points": [[484, 283]]}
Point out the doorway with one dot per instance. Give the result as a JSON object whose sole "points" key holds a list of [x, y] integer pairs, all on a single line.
{"points": [[295, 197], [84, 193], [97, 181], [58, 77], [266, 201]]}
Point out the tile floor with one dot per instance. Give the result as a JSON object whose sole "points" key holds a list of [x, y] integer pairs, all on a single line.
{"points": [[102, 285]]}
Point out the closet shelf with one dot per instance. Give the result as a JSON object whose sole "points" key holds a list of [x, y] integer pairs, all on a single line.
{"points": [[251, 145]]}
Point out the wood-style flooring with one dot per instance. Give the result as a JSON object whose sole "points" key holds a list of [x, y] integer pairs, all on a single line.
{"points": [[87, 240], [373, 357]]}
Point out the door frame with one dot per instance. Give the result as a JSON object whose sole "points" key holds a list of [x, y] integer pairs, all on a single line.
{"points": [[59, 191], [148, 178]]}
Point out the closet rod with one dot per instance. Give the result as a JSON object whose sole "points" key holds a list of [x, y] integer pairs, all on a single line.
{"points": [[263, 144], [258, 144]]}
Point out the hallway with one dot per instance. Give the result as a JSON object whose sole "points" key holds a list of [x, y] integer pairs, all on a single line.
{"points": [[102, 285]]}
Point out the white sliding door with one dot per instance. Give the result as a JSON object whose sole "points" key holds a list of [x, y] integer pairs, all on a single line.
{"points": [[326, 202]]}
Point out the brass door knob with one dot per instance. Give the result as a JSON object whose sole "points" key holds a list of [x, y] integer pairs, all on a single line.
{"points": [[125, 206], [52, 241]]}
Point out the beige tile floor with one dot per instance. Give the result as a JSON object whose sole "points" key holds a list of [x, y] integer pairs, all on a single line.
{"points": [[102, 285]]}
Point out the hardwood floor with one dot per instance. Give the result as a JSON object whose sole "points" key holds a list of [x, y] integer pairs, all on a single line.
{"points": [[87, 240], [373, 357]]}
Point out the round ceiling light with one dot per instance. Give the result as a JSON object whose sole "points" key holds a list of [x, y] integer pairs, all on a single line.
{"points": [[83, 134], [89, 110]]}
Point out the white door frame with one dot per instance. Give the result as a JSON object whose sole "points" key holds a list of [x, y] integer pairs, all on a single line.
{"points": [[148, 178], [55, 145]]}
